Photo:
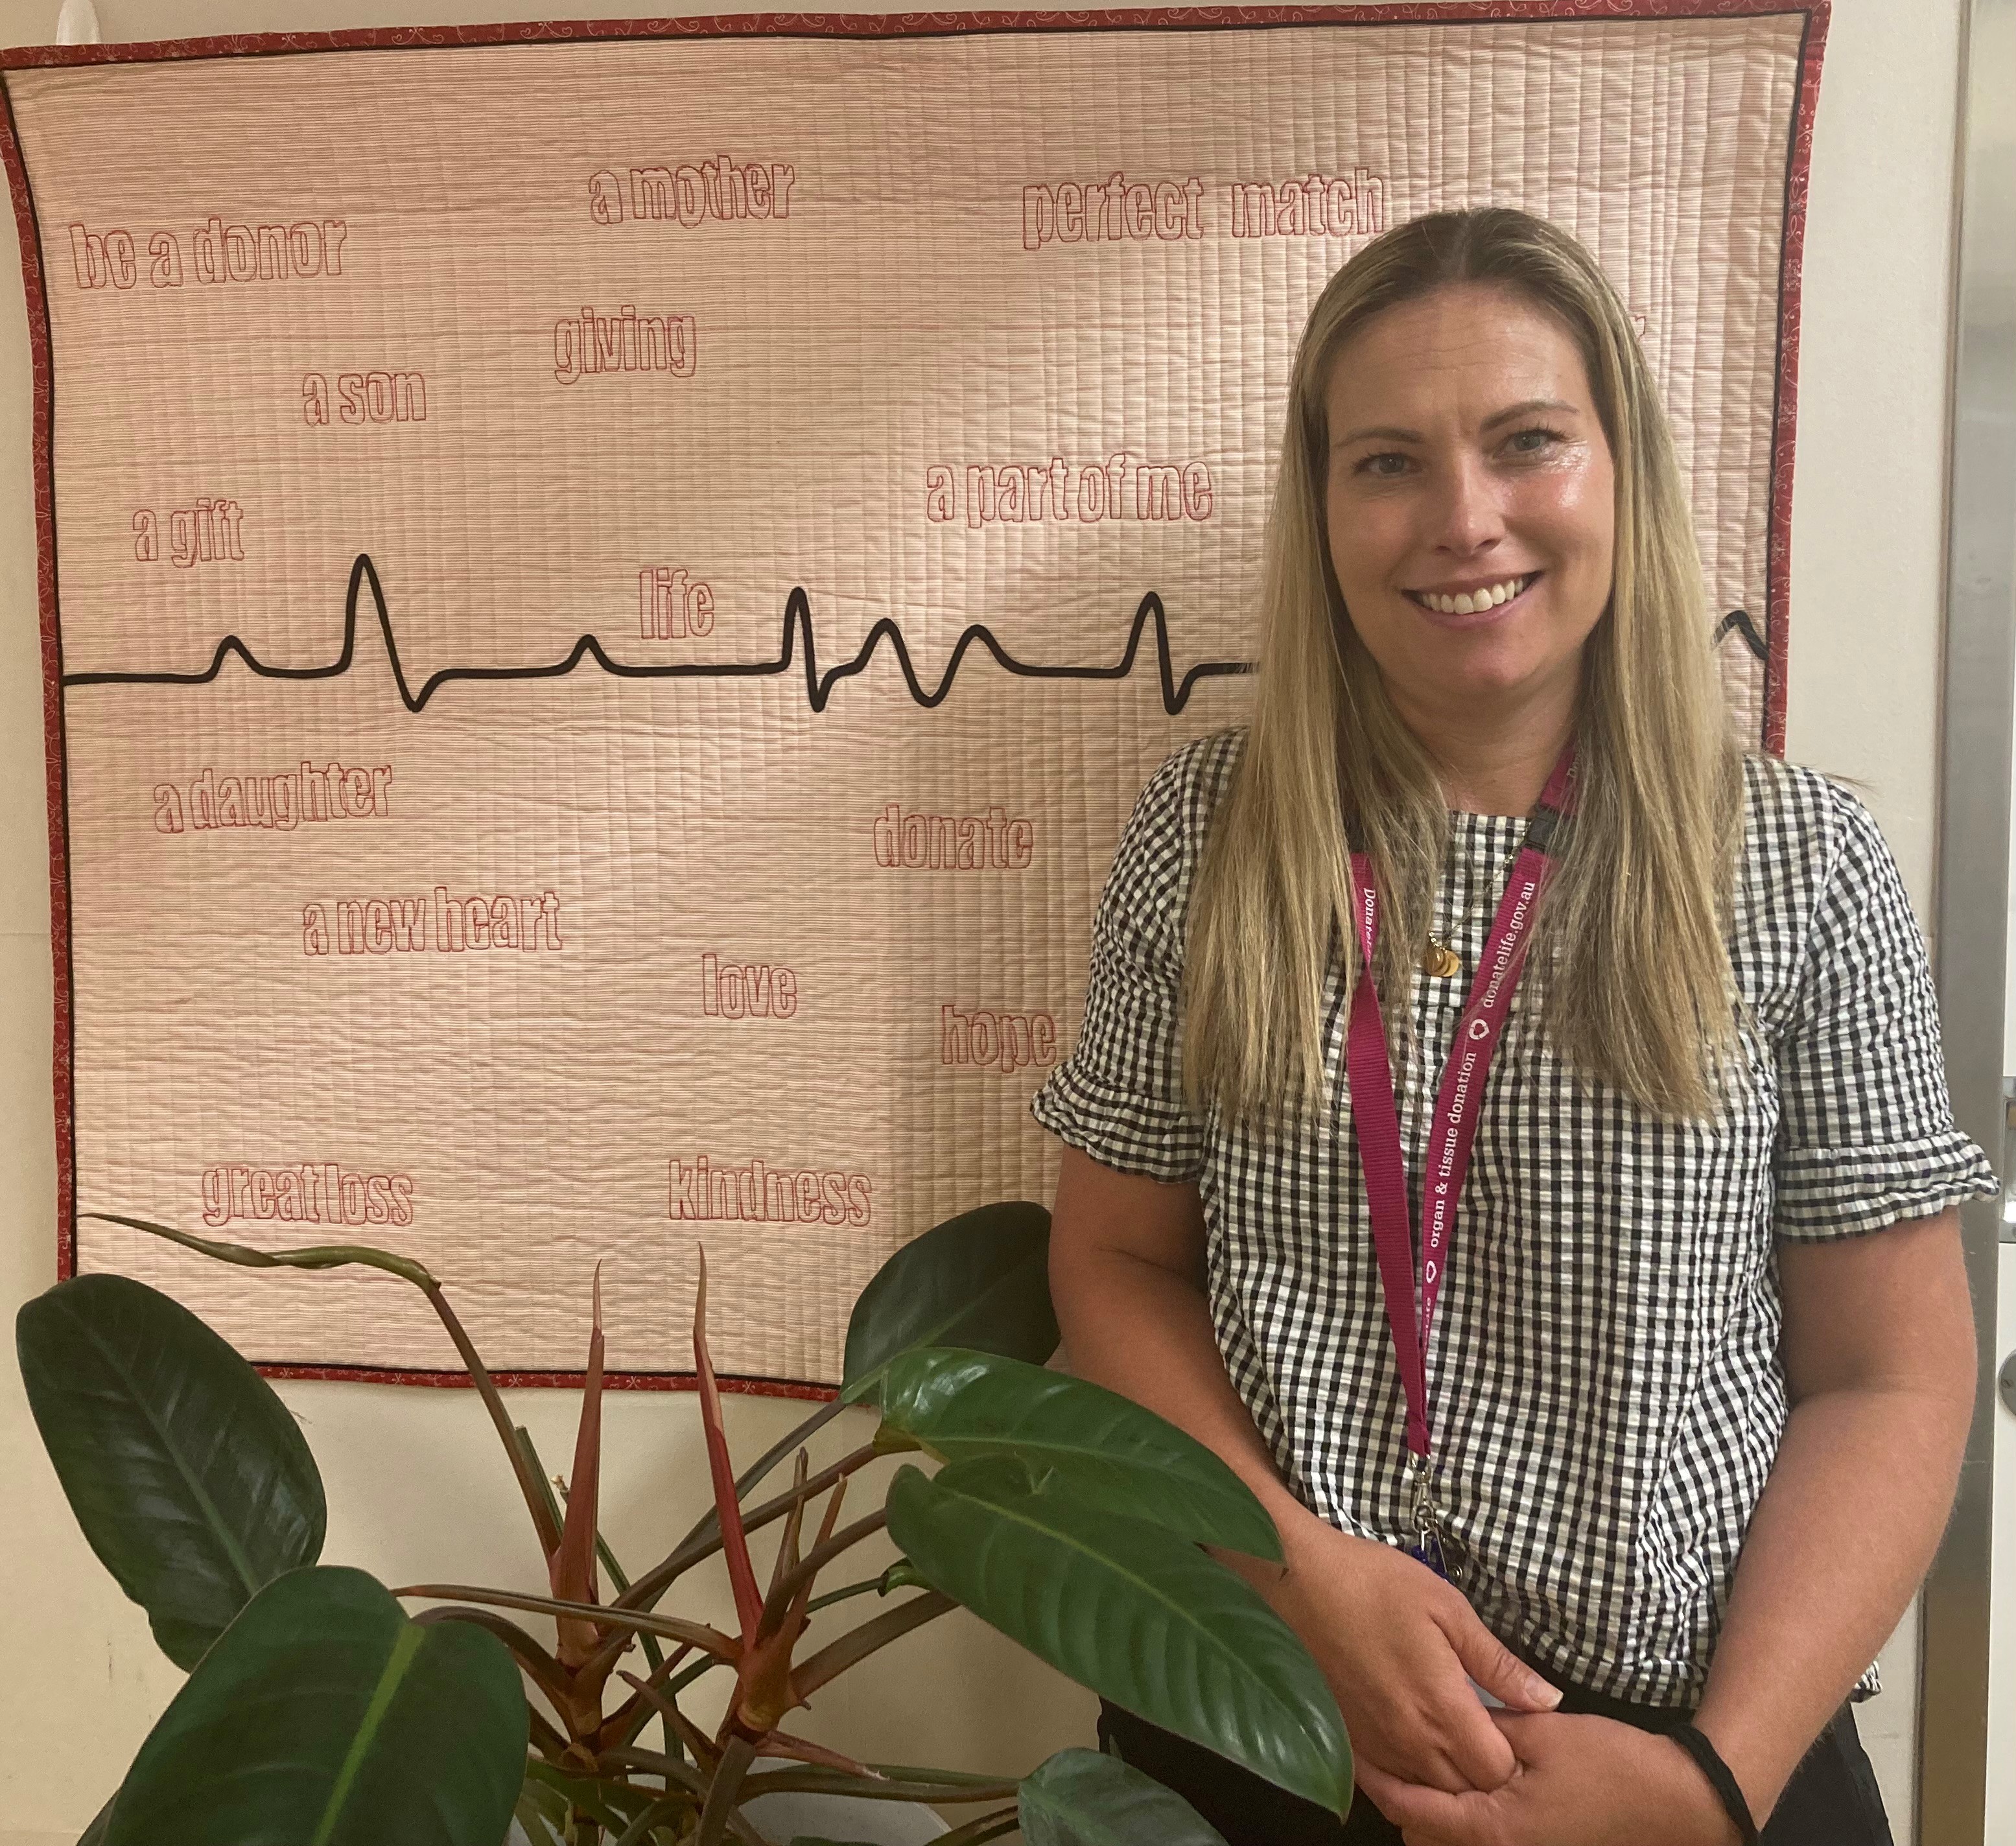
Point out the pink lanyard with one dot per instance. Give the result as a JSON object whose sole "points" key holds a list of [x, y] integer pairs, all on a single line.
{"points": [[1457, 1102]]}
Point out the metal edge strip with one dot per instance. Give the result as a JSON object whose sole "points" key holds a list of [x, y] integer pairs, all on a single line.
{"points": [[1974, 893]]}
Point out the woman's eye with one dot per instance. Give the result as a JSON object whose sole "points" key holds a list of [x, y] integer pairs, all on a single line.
{"points": [[1375, 466], [1541, 440]]}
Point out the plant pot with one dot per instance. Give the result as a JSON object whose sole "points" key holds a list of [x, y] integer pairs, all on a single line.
{"points": [[783, 1818]]}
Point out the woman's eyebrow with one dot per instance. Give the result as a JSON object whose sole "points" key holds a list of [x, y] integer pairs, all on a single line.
{"points": [[1527, 408], [1392, 433], [1380, 433]]}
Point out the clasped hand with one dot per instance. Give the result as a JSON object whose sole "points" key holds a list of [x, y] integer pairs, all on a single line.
{"points": [[1400, 1647], [1577, 1781]]}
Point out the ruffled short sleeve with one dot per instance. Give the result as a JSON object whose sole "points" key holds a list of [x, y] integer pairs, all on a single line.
{"points": [[1865, 1134], [1118, 1096]]}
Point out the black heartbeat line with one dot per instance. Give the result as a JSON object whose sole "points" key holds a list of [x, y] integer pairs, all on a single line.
{"points": [[1739, 619], [797, 621], [797, 625]]}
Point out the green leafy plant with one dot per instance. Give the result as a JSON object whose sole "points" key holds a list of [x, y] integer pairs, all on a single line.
{"points": [[318, 1711]]}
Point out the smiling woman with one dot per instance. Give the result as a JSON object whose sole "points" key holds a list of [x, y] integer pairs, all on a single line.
{"points": [[1464, 519], [1586, 1436], [1471, 410]]}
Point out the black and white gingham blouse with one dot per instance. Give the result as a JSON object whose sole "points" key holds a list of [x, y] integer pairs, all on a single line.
{"points": [[1607, 1397]]}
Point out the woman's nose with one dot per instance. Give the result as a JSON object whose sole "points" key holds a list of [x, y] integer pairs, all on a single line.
{"points": [[1463, 513]]}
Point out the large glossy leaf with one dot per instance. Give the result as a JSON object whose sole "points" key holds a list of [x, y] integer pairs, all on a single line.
{"points": [[190, 1479], [1082, 1798], [1142, 1617], [981, 1279], [323, 1717], [959, 1405]]}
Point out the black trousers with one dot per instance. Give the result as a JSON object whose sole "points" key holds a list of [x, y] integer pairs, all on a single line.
{"points": [[1832, 1799]]}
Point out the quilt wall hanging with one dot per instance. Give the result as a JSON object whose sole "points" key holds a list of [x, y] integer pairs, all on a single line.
{"points": [[606, 590]]}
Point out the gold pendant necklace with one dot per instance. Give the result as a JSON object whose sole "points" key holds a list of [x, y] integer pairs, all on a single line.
{"points": [[1440, 960]]}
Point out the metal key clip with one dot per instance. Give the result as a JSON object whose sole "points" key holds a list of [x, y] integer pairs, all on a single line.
{"points": [[1426, 1517], [1433, 1545]]}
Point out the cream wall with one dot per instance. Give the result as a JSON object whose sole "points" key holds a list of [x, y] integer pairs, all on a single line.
{"points": [[415, 1491]]}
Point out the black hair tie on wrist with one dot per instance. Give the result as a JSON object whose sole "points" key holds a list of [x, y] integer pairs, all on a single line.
{"points": [[1727, 1792]]}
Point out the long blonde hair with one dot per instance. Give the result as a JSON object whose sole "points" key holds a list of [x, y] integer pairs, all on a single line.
{"points": [[1630, 955]]}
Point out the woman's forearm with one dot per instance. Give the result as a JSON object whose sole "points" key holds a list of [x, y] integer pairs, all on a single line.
{"points": [[1141, 1330], [1844, 1532]]}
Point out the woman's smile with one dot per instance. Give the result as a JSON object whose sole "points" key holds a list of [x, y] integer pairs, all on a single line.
{"points": [[1475, 604]]}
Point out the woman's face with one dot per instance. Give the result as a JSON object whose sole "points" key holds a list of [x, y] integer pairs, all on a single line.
{"points": [[1471, 504]]}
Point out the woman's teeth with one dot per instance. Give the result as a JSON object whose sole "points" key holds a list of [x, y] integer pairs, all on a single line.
{"points": [[1488, 598]]}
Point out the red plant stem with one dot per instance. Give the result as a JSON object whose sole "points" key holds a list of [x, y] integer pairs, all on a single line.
{"points": [[734, 1542], [647, 1589], [857, 1644], [736, 1755], [787, 1547], [708, 1640], [688, 1733], [546, 1737], [787, 1611], [625, 1724], [668, 1808], [486, 1389], [572, 1565], [682, 1773], [707, 1525], [816, 1560], [803, 1749], [337, 1256], [797, 1616]]}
